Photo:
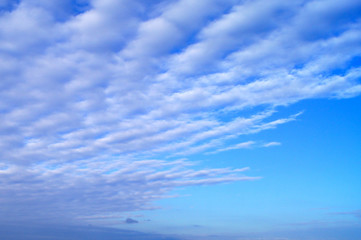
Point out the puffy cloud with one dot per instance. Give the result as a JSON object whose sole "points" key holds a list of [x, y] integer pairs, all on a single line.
{"points": [[95, 93]]}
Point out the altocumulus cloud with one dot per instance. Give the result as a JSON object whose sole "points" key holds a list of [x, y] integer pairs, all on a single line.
{"points": [[95, 93]]}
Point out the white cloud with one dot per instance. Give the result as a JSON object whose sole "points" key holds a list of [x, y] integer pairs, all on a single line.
{"points": [[241, 145], [271, 144], [96, 187], [89, 92]]}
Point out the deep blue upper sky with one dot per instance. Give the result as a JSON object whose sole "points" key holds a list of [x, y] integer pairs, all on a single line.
{"points": [[207, 119]]}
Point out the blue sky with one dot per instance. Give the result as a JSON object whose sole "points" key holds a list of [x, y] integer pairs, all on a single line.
{"points": [[208, 119]]}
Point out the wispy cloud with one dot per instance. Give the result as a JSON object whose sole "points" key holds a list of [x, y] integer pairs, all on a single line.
{"points": [[355, 213], [245, 145], [92, 91], [271, 144], [237, 146], [96, 187]]}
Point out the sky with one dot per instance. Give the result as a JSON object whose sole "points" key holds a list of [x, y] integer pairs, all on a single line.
{"points": [[180, 119]]}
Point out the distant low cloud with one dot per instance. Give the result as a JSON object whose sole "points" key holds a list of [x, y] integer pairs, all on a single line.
{"points": [[33, 231], [130, 221], [355, 213], [197, 226]]}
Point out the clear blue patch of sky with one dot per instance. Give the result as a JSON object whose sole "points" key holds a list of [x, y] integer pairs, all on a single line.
{"points": [[313, 174]]}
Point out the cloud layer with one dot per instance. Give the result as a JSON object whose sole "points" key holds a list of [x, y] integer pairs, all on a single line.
{"points": [[94, 94]]}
